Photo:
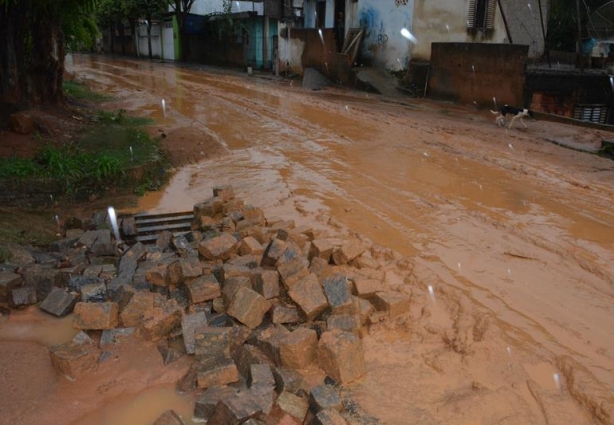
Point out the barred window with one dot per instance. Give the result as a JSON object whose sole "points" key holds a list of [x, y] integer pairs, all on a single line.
{"points": [[481, 15]]}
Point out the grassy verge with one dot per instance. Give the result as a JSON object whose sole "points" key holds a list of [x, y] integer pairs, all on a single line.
{"points": [[111, 159]]}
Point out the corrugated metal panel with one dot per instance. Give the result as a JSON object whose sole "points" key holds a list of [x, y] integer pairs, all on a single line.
{"points": [[490, 15], [471, 14]]}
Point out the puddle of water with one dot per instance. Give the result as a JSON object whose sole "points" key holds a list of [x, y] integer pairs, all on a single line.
{"points": [[36, 326], [143, 408]]}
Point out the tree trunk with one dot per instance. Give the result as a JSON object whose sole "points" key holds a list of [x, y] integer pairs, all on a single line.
{"points": [[112, 35], [10, 72], [32, 57]]}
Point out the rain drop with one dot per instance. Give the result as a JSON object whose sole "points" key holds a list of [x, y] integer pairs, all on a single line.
{"points": [[509, 273], [113, 220], [131, 154], [509, 351], [347, 109], [408, 35], [426, 155], [459, 267], [530, 8], [164, 108], [431, 292], [509, 145], [448, 27], [557, 380]]}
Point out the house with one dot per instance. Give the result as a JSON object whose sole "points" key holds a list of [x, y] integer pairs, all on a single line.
{"points": [[383, 44]]}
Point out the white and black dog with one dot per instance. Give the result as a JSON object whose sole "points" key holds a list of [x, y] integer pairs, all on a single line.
{"points": [[517, 113]]}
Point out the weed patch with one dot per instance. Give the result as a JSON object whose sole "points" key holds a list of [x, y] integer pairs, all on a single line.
{"points": [[80, 91]]}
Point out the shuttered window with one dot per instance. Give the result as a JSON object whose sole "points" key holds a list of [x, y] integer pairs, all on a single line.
{"points": [[481, 15], [592, 113]]}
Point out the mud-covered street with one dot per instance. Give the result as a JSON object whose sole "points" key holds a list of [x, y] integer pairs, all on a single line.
{"points": [[508, 237]]}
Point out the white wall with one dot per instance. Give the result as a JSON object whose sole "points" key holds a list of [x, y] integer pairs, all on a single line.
{"points": [[383, 21], [290, 52], [206, 7], [168, 41], [446, 21]]}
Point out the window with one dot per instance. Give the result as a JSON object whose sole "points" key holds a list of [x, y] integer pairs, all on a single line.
{"points": [[592, 113], [481, 15]]}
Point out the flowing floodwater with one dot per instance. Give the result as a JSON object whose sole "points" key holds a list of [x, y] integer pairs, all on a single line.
{"points": [[510, 237]]}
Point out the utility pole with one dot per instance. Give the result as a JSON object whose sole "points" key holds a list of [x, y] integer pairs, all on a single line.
{"points": [[541, 19], [579, 22]]}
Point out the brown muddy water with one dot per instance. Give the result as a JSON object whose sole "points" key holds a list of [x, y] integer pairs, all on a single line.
{"points": [[505, 238]]}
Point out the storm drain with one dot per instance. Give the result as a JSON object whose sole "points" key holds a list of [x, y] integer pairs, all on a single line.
{"points": [[146, 228]]}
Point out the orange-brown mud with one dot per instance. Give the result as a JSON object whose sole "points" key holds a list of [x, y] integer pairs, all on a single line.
{"points": [[503, 238]]}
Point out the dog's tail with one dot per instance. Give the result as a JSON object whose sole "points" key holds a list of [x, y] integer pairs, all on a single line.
{"points": [[494, 112]]}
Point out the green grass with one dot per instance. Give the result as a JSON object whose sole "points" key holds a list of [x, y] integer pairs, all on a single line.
{"points": [[80, 91], [100, 160]]}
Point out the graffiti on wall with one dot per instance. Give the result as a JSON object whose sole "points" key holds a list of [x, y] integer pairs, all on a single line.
{"points": [[400, 2]]}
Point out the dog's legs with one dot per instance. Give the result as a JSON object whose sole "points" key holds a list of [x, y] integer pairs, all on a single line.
{"points": [[512, 121], [522, 121]]}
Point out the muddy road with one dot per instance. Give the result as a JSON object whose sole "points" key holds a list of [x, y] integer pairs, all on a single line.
{"points": [[513, 233]]}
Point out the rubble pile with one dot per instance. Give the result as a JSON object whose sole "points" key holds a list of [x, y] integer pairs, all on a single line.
{"points": [[253, 300]]}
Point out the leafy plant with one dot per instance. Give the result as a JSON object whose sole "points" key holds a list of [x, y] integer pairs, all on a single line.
{"points": [[79, 91]]}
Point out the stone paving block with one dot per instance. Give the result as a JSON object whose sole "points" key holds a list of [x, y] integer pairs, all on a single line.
{"points": [[324, 397], [20, 256], [248, 307], [62, 245], [273, 252], [394, 303], [367, 288], [236, 409], [250, 246], [162, 320], [163, 243], [250, 261], [341, 356], [261, 377], [205, 405], [364, 262], [141, 304], [225, 193], [170, 354], [345, 322], [281, 314], [338, 294], [222, 371], [40, 277], [320, 248], [74, 357], [249, 355], [113, 336], [230, 270], [292, 271], [96, 316], [269, 340], [88, 238], [218, 248], [347, 252], [299, 349], [319, 267], [288, 380], [212, 342], [92, 271], [59, 302], [210, 208], [170, 417], [94, 292], [309, 296], [329, 417], [158, 275], [266, 283], [22, 297], [203, 288], [232, 285], [292, 405], [189, 324], [364, 309], [253, 215], [185, 269]]}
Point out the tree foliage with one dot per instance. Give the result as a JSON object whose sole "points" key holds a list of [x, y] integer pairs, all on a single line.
{"points": [[563, 22]]}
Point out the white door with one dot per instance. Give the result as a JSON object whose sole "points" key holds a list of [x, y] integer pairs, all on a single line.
{"points": [[168, 41]]}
